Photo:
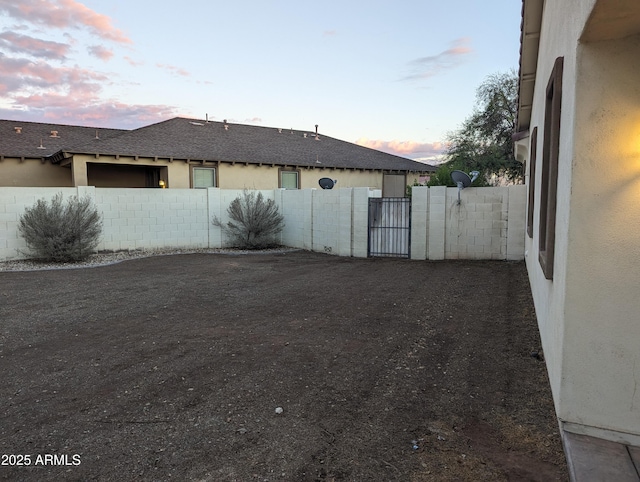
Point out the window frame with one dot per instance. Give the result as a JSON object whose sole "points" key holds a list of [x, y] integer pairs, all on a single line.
{"points": [[532, 181], [285, 170], [208, 168], [549, 174]]}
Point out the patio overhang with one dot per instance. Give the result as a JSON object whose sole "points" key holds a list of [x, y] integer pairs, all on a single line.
{"points": [[612, 20]]}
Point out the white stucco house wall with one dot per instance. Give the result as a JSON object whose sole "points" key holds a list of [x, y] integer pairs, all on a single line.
{"points": [[579, 137]]}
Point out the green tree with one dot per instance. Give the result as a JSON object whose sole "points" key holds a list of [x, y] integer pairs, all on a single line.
{"points": [[484, 141], [442, 176]]}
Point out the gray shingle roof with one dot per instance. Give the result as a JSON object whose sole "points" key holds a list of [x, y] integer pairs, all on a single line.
{"points": [[182, 138], [35, 134]]}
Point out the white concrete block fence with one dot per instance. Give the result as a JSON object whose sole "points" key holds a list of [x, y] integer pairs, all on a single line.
{"points": [[489, 223]]}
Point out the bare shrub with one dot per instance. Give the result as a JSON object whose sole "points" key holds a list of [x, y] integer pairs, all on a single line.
{"points": [[59, 231], [255, 221]]}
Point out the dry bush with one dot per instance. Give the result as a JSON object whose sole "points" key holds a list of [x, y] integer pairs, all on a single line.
{"points": [[255, 221], [59, 231]]}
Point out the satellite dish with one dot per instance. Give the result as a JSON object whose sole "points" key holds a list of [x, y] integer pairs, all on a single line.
{"points": [[462, 180], [326, 183]]}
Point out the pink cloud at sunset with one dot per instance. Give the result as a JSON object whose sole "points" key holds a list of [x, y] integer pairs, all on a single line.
{"points": [[410, 149], [426, 67], [132, 62], [18, 75], [63, 14], [100, 52], [24, 44], [174, 70], [36, 83], [82, 106]]}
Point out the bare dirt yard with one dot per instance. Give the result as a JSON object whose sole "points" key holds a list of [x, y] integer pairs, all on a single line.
{"points": [[174, 368]]}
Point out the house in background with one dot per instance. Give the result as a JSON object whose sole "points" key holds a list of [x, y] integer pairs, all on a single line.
{"points": [[186, 153], [579, 135]]}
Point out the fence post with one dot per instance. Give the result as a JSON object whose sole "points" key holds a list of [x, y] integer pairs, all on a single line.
{"points": [[437, 226], [307, 234], [278, 201], [214, 208], [360, 220], [516, 227], [419, 220]]}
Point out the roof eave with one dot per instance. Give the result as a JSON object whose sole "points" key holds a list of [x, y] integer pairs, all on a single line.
{"points": [[529, 47]]}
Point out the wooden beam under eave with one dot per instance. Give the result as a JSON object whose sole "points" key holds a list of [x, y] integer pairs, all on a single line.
{"points": [[117, 157], [97, 155], [155, 159], [21, 159], [135, 158]]}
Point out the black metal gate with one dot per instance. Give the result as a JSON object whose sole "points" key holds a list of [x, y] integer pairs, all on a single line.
{"points": [[389, 227]]}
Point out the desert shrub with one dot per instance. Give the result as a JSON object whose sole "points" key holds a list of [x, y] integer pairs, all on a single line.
{"points": [[61, 231], [255, 221]]}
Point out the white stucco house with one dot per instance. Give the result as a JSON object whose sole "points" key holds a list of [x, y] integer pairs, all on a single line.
{"points": [[579, 137]]}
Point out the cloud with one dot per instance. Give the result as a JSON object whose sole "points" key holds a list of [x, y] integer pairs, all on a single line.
{"points": [[174, 70], [35, 90], [100, 52], [36, 83], [26, 45], [426, 67], [410, 149], [254, 120], [108, 114], [329, 33], [20, 74], [63, 14], [134, 63]]}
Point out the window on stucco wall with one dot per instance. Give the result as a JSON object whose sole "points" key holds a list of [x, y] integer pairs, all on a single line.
{"points": [[549, 184], [203, 177], [289, 179]]}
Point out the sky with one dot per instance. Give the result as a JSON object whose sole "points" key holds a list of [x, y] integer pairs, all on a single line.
{"points": [[392, 75]]}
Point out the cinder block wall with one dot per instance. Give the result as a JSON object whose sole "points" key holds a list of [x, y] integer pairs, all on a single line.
{"points": [[13, 201], [489, 223], [330, 220], [152, 218], [477, 226], [297, 227]]}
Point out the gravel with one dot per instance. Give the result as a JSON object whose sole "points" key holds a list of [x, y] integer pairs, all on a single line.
{"points": [[106, 258]]}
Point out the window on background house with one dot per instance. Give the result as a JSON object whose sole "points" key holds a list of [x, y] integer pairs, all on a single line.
{"points": [[394, 185], [289, 179], [532, 180], [204, 177], [549, 185]]}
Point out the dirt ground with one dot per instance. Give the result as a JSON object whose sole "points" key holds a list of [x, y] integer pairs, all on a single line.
{"points": [[173, 368]]}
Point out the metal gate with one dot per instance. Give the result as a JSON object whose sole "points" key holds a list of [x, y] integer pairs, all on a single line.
{"points": [[389, 227]]}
